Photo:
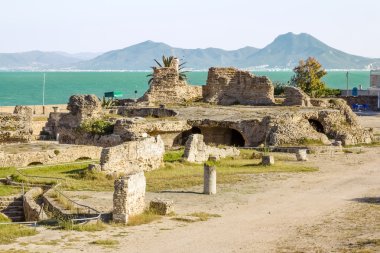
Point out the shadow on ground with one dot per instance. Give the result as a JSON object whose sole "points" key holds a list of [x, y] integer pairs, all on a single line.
{"points": [[369, 200]]}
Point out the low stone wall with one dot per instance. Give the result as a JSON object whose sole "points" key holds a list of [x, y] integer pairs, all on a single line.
{"points": [[33, 211], [197, 151], [59, 155], [135, 156], [37, 109], [128, 197]]}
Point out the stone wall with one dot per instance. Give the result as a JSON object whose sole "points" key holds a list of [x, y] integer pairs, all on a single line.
{"points": [[228, 86], [167, 88], [33, 211], [296, 97], [128, 197], [134, 128], [197, 151], [49, 156], [16, 126], [135, 156]]}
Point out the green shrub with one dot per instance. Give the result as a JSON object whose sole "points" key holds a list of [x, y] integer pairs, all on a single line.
{"points": [[173, 155], [99, 126]]}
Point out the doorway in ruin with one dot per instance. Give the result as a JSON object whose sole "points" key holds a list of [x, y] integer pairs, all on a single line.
{"points": [[184, 136], [223, 136], [317, 125]]}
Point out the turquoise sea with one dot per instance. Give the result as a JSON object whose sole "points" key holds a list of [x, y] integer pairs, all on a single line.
{"points": [[25, 88]]}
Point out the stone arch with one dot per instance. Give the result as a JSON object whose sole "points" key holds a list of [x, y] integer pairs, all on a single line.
{"points": [[223, 136], [182, 137], [317, 125]]}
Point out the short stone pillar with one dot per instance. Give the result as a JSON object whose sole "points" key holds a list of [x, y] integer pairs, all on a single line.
{"points": [[267, 160], [209, 179], [301, 155], [55, 108], [161, 206], [128, 197]]}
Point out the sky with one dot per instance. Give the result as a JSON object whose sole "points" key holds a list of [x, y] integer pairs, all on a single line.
{"points": [[102, 25]]}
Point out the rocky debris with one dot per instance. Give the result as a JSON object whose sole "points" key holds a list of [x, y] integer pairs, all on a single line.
{"points": [[167, 87], [16, 127], [296, 97], [161, 206], [228, 86], [134, 156], [197, 151], [128, 197]]}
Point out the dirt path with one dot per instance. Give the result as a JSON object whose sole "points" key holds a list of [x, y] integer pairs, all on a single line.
{"points": [[270, 213]]}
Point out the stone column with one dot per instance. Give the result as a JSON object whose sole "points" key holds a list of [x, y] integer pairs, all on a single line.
{"points": [[209, 178], [128, 197], [301, 155]]}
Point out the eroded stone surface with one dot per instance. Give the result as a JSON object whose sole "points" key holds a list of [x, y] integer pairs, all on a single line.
{"points": [[167, 87], [134, 156], [295, 96], [128, 197], [17, 126], [228, 86]]}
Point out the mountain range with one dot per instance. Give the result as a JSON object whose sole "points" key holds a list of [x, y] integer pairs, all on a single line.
{"points": [[283, 53]]}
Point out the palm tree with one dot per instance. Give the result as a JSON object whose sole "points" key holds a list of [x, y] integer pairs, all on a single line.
{"points": [[167, 62]]}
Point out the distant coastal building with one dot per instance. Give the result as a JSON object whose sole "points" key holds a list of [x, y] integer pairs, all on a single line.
{"points": [[375, 78]]}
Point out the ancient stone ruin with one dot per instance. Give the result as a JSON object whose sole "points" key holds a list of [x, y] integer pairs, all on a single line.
{"points": [[167, 87], [134, 156], [229, 86], [128, 197], [197, 151], [296, 97], [17, 126]]}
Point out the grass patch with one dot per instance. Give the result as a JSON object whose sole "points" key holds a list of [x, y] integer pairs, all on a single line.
{"points": [[9, 233], [65, 203], [105, 242], [75, 177], [90, 227], [173, 155], [40, 118], [7, 190], [177, 175], [310, 142], [144, 218], [204, 216]]}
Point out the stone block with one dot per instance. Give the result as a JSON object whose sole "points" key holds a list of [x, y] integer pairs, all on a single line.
{"points": [[301, 155], [161, 206], [267, 160], [128, 197]]}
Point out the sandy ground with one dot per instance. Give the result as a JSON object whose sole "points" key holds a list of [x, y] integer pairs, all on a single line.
{"points": [[336, 209]]}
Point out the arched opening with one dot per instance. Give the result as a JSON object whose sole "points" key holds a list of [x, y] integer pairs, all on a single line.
{"points": [[237, 139], [182, 138], [223, 136], [35, 163], [316, 125]]}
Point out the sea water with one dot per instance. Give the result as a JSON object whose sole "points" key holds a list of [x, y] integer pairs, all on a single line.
{"points": [[26, 88]]}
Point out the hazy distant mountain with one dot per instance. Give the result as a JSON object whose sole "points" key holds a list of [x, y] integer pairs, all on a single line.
{"points": [[84, 56], [140, 57], [34, 60], [284, 52]]}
